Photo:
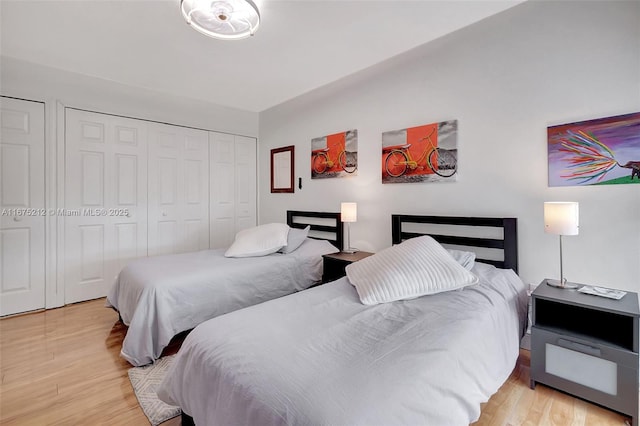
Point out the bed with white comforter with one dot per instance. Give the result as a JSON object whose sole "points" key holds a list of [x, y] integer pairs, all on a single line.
{"points": [[159, 297], [323, 357]]}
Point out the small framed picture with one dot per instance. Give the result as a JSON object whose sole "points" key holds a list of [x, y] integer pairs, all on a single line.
{"points": [[282, 169]]}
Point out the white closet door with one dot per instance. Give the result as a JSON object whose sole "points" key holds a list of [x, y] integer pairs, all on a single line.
{"points": [[222, 189], [22, 238], [245, 176], [105, 212], [233, 186], [178, 189]]}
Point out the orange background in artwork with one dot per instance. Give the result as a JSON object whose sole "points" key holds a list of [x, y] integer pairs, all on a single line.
{"points": [[336, 144], [415, 137]]}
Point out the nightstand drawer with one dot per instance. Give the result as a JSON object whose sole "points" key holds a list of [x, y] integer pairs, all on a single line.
{"points": [[594, 371], [585, 346]]}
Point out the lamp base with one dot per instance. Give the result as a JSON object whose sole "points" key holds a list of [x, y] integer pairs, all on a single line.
{"points": [[350, 250], [563, 284]]}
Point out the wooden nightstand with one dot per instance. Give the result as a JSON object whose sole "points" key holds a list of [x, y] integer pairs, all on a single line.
{"points": [[333, 265], [587, 346]]}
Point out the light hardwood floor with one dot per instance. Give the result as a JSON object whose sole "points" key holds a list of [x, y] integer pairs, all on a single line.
{"points": [[61, 367]]}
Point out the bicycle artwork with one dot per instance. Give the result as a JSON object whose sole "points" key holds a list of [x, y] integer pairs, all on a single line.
{"points": [[426, 153], [334, 155]]}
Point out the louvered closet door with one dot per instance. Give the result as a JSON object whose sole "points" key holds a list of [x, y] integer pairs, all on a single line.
{"points": [[178, 189], [105, 211], [22, 238], [233, 186]]}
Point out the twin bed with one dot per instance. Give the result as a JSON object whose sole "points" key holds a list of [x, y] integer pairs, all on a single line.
{"points": [[162, 296], [323, 356]]}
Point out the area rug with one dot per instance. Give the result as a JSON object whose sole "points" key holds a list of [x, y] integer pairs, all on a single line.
{"points": [[145, 380]]}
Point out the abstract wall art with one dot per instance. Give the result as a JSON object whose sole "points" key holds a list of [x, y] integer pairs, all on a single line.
{"points": [[604, 151]]}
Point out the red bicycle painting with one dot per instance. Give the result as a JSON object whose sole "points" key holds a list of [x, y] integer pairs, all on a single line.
{"points": [[334, 155], [417, 154]]}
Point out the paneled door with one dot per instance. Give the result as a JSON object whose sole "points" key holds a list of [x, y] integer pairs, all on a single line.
{"points": [[245, 180], [22, 191], [223, 154], [105, 211], [233, 186], [178, 189]]}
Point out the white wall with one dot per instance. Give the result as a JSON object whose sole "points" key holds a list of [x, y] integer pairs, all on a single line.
{"points": [[31, 81], [505, 80]]}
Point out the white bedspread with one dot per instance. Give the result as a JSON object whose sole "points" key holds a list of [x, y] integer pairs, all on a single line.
{"points": [[321, 357], [159, 297]]}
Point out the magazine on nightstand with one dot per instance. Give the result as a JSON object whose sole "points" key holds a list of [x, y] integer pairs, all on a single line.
{"points": [[603, 292]]}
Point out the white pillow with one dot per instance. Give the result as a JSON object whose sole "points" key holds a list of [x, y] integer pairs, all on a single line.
{"points": [[295, 238], [259, 241], [465, 258], [414, 268]]}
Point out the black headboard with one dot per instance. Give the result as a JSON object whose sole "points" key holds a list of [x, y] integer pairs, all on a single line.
{"points": [[329, 225], [508, 243]]}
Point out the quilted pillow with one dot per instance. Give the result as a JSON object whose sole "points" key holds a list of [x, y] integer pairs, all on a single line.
{"points": [[259, 241], [295, 238], [416, 267]]}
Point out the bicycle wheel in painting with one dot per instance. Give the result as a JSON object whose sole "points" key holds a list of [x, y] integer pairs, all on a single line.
{"points": [[443, 162]]}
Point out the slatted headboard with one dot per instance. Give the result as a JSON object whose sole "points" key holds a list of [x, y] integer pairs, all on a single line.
{"points": [[324, 226], [507, 242]]}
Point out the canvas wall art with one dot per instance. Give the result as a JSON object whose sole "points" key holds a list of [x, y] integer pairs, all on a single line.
{"points": [[605, 151], [426, 153], [334, 155]]}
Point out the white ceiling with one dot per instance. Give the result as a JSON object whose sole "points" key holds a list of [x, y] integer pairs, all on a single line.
{"points": [[300, 45]]}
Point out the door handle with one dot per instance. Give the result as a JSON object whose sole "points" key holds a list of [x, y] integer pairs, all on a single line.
{"points": [[586, 349]]}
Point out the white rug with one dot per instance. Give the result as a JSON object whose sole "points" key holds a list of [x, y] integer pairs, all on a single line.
{"points": [[145, 380]]}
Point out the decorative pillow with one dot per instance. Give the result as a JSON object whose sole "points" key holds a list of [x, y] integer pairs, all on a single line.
{"points": [[295, 238], [465, 258], [259, 241], [414, 268]]}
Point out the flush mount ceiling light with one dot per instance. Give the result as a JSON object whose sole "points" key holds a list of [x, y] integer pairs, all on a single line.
{"points": [[222, 19]]}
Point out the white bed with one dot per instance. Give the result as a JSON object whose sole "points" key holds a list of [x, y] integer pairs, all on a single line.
{"points": [[162, 296], [323, 357]]}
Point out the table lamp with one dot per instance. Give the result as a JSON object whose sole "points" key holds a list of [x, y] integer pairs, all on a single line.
{"points": [[561, 218], [348, 214]]}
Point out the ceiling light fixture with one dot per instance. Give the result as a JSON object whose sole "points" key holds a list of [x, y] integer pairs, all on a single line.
{"points": [[222, 19]]}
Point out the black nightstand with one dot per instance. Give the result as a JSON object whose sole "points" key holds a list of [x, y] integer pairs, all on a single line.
{"points": [[333, 265], [587, 346]]}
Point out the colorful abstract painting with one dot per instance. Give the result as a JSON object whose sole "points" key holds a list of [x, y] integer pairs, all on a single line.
{"points": [[426, 153], [605, 151], [335, 155]]}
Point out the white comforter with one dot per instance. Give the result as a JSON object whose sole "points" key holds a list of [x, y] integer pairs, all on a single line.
{"points": [[322, 357], [159, 297]]}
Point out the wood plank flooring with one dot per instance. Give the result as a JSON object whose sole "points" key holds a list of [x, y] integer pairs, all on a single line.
{"points": [[62, 367]]}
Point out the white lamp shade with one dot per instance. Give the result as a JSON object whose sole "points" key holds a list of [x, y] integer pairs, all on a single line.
{"points": [[561, 217], [349, 212]]}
